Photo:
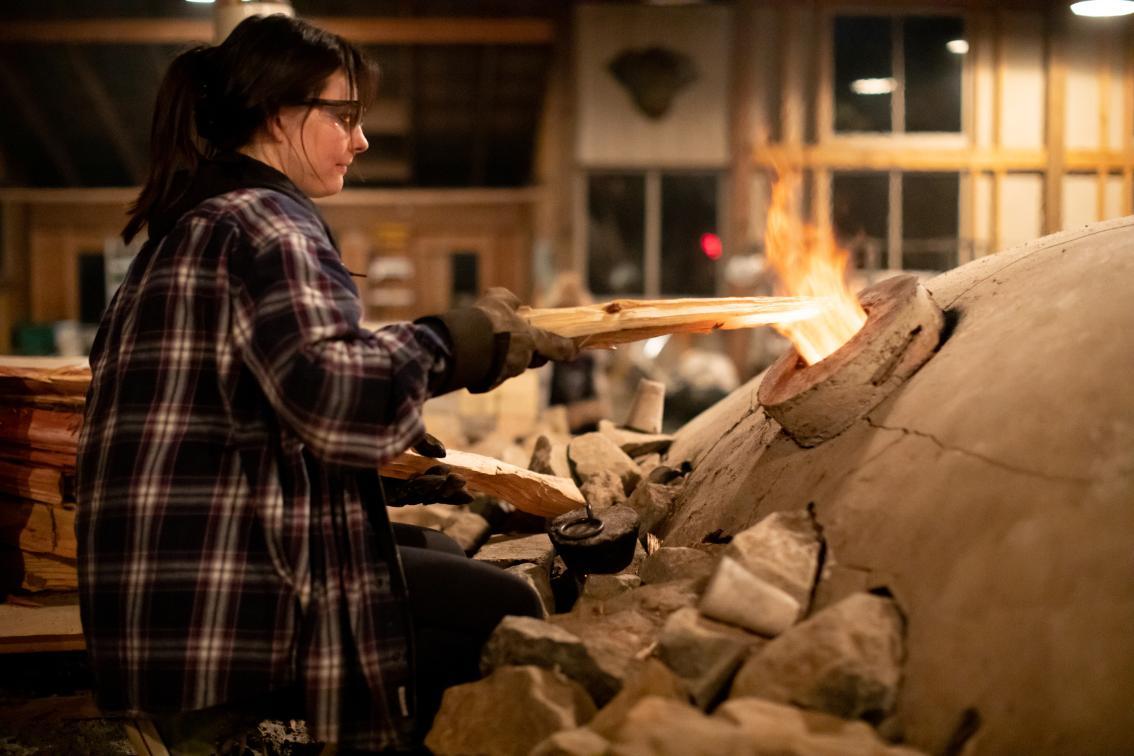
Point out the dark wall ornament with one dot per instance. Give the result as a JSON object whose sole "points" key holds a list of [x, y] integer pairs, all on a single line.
{"points": [[653, 77]]}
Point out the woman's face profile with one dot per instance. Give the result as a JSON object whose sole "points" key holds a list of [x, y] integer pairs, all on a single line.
{"points": [[321, 139]]}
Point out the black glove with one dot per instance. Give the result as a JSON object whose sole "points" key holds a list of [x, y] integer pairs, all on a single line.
{"points": [[437, 485], [490, 343]]}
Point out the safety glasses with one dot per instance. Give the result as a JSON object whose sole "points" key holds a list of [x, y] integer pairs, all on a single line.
{"points": [[347, 112]]}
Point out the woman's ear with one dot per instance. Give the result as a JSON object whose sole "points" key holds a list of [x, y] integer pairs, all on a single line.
{"points": [[274, 129]]}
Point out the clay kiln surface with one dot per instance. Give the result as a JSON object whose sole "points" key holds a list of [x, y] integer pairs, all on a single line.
{"points": [[993, 493]]}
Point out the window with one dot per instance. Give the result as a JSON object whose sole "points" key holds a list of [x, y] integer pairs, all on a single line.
{"points": [[653, 233], [898, 74], [906, 221]]}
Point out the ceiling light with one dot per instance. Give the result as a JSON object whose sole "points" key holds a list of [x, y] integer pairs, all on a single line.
{"points": [[957, 46], [873, 86], [1101, 8]]}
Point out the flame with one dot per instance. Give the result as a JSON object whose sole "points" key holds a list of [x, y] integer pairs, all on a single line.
{"points": [[809, 262]]}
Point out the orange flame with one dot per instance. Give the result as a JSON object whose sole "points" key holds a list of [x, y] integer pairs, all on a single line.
{"points": [[810, 263]]}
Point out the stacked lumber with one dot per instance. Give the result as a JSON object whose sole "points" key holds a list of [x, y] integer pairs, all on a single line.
{"points": [[41, 406]]}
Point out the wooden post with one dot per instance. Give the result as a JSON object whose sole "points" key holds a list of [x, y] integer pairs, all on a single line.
{"points": [[1055, 44]]}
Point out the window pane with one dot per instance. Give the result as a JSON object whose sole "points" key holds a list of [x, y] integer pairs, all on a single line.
{"points": [[690, 241], [860, 212], [616, 233], [930, 220], [864, 73], [933, 72]]}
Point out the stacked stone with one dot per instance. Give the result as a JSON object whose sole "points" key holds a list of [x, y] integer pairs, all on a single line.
{"points": [[722, 648]]}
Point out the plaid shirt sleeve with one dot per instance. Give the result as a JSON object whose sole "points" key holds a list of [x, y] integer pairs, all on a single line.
{"points": [[354, 397]]}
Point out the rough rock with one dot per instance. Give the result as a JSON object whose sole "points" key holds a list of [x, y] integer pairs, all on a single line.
{"points": [[614, 643], [647, 408], [549, 458], [783, 549], [987, 493], [704, 653], [529, 641], [468, 529], [736, 596], [654, 504], [508, 550], [655, 602], [658, 726], [593, 453], [651, 679], [509, 712], [677, 563], [603, 490], [578, 742], [647, 463], [781, 729], [635, 443], [603, 587], [540, 581], [432, 516], [845, 660]]}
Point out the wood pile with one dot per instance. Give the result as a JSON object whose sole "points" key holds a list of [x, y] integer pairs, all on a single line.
{"points": [[41, 405]]}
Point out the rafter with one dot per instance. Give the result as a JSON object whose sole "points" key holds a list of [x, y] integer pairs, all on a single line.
{"points": [[106, 112], [361, 29], [23, 101]]}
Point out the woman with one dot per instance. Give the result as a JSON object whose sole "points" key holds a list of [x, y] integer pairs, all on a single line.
{"points": [[233, 546]]}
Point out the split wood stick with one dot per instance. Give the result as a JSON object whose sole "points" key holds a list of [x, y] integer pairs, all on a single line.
{"points": [[45, 573], [52, 376], [38, 528], [50, 430], [535, 493], [624, 320]]}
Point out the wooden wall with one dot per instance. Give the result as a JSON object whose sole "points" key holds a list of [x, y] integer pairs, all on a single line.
{"points": [[45, 232]]}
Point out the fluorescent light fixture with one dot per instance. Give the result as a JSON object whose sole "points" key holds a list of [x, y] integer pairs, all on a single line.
{"points": [[1103, 8], [957, 46], [873, 86]]}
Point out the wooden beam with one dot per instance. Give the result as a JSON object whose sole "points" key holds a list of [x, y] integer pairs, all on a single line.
{"points": [[1128, 118], [26, 105], [360, 29], [106, 113], [1055, 55], [836, 156]]}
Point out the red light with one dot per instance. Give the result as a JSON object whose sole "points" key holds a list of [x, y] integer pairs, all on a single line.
{"points": [[711, 246]]}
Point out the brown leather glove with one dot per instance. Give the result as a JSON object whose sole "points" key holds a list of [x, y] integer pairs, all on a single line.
{"points": [[518, 345], [491, 342]]}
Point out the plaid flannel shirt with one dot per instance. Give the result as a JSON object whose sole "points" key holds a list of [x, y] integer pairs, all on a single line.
{"points": [[236, 414]]}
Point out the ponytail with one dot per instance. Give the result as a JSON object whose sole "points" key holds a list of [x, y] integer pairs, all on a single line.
{"points": [[176, 146], [213, 100]]}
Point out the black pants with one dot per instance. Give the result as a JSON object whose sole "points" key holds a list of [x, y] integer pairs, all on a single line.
{"points": [[456, 602]]}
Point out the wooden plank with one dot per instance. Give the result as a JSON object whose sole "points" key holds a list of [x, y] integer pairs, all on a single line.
{"points": [[29, 629], [623, 320], [543, 495]]}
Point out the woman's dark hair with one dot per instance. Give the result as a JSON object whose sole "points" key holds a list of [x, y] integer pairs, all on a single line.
{"points": [[214, 99]]}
